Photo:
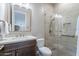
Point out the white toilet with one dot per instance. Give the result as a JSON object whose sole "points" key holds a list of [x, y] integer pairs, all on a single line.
{"points": [[43, 51]]}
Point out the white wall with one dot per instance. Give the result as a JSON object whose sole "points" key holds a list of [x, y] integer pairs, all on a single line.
{"points": [[37, 20], [2, 11]]}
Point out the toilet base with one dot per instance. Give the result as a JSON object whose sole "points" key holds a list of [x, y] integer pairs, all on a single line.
{"points": [[44, 51]]}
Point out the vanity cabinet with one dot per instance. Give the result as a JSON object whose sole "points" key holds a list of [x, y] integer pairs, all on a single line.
{"points": [[7, 53], [26, 48]]}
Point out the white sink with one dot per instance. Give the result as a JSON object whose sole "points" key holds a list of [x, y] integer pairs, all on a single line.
{"points": [[16, 39]]}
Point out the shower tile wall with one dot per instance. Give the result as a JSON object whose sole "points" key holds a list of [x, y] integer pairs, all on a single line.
{"points": [[66, 46], [66, 43], [47, 17]]}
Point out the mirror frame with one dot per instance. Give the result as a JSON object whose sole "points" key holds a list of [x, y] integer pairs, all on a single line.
{"points": [[8, 17]]}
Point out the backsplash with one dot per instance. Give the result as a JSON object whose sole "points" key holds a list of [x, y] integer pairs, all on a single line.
{"points": [[18, 34]]}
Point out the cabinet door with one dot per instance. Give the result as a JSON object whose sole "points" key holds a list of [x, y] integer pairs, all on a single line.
{"points": [[26, 51], [27, 48], [11, 53]]}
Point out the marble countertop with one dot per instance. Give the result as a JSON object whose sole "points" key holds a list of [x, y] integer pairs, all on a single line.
{"points": [[16, 39]]}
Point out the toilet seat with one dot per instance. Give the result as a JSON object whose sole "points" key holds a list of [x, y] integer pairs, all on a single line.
{"points": [[45, 51]]}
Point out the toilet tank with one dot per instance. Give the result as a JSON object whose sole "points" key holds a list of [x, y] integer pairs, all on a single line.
{"points": [[40, 42]]}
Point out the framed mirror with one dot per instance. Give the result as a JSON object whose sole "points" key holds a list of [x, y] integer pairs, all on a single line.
{"points": [[20, 19]]}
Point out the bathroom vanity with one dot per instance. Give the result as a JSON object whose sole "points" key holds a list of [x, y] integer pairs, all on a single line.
{"points": [[18, 21], [19, 47]]}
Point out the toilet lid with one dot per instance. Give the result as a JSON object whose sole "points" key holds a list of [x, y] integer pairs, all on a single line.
{"points": [[45, 51]]}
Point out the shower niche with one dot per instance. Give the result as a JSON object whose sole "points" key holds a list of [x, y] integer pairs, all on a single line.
{"points": [[67, 27]]}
